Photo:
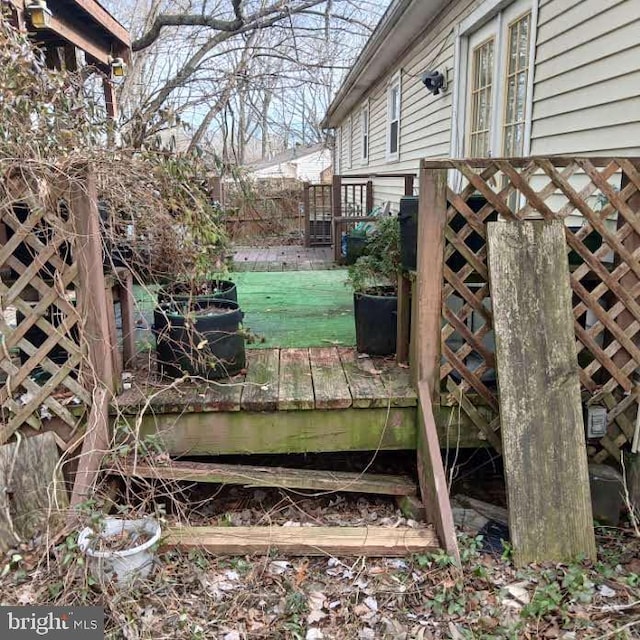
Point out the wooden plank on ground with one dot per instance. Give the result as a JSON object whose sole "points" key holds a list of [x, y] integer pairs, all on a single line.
{"points": [[545, 459], [31, 488], [313, 479], [329, 382], [365, 383], [261, 387], [307, 541], [296, 386]]}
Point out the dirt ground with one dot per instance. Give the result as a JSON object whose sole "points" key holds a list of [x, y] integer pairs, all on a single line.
{"points": [[198, 596]]}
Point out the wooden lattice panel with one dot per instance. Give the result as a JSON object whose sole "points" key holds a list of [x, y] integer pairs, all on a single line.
{"points": [[604, 195], [40, 354]]}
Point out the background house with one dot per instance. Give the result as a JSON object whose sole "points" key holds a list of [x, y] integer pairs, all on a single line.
{"points": [[307, 164], [523, 77]]}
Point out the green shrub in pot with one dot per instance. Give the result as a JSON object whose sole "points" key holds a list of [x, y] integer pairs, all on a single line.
{"points": [[374, 278]]}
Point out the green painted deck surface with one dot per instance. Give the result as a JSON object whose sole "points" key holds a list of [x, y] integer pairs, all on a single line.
{"points": [[297, 308], [283, 309]]}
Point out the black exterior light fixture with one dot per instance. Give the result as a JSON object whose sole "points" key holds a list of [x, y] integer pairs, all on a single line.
{"points": [[435, 81]]}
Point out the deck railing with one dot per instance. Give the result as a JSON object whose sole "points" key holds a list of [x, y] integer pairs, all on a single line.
{"points": [[334, 209], [599, 201]]}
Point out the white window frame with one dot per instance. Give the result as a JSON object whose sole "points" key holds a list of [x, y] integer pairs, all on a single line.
{"points": [[489, 10], [395, 82], [365, 146]]}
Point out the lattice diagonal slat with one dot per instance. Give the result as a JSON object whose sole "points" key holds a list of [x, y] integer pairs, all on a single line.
{"points": [[40, 356], [600, 199]]}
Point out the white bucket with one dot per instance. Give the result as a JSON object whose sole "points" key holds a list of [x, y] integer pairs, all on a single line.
{"points": [[122, 567]]}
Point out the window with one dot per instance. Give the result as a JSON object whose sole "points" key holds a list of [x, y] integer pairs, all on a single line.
{"points": [[516, 86], [493, 94], [364, 133], [481, 99], [393, 118]]}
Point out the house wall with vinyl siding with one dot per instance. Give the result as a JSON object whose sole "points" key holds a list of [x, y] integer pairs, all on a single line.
{"points": [[585, 93]]}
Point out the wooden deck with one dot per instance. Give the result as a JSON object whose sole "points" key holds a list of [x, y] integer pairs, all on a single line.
{"points": [[282, 258], [288, 401]]}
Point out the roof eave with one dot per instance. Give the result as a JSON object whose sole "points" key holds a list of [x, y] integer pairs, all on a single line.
{"points": [[382, 51]]}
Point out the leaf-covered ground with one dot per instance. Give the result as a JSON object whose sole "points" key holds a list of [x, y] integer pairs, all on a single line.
{"points": [[197, 596]]}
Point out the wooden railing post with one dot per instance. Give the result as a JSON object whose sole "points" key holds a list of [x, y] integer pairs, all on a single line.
{"points": [[425, 361], [369, 198], [408, 185], [426, 325], [92, 304], [336, 212], [306, 207]]}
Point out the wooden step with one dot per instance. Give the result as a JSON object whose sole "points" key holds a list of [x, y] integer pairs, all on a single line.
{"points": [[274, 477], [306, 541]]}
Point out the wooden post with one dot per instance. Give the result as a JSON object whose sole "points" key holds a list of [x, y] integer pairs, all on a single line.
{"points": [[426, 328], [632, 479], [543, 440], [92, 304], [127, 313], [408, 185], [216, 189], [403, 318], [336, 212], [427, 321], [306, 206], [116, 356], [111, 104], [369, 198], [110, 98], [70, 57]]}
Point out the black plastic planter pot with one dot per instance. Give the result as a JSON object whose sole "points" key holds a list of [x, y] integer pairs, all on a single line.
{"points": [[376, 327], [408, 218], [206, 341], [180, 293]]}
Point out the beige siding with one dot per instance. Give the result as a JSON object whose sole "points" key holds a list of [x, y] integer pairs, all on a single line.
{"points": [[586, 91], [587, 78], [425, 120]]}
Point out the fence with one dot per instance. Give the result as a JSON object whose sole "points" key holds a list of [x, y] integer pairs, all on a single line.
{"points": [[603, 252], [59, 348], [274, 211]]}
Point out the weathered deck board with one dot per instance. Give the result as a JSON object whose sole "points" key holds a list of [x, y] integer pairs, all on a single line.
{"points": [[296, 385], [329, 382], [212, 396], [397, 382], [308, 541], [365, 383], [252, 476], [260, 392]]}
